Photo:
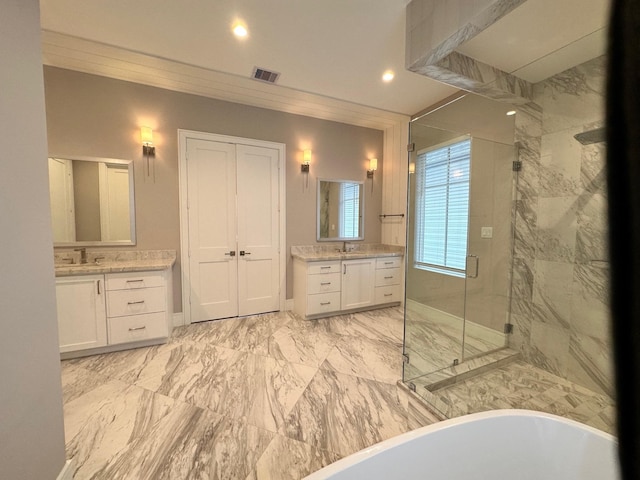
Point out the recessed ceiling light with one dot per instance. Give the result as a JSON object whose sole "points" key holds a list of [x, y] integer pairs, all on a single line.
{"points": [[388, 76], [239, 30], [511, 112]]}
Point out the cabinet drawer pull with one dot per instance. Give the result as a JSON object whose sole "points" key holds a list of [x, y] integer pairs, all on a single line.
{"points": [[324, 268], [133, 281], [388, 294], [135, 303], [387, 278], [325, 303], [388, 263], [325, 283], [137, 328]]}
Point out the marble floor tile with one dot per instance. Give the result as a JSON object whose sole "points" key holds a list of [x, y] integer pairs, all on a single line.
{"points": [[366, 358], [288, 459], [307, 342], [344, 414], [77, 380], [234, 383], [385, 325], [106, 419], [519, 385]]}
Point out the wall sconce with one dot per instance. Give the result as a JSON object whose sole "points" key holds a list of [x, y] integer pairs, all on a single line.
{"points": [[412, 168], [146, 135], [306, 160], [373, 166], [148, 150]]}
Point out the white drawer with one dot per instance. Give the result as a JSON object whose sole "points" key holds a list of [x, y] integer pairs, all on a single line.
{"points": [[323, 303], [388, 262], [387, 276], [137, 328], [388, 294], [323, 283], [135, 302], [132, 280], [323, 267]]}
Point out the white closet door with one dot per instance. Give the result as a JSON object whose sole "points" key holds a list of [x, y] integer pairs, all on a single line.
{"points": [[63, 216], [211, 203], [258, 230], [115, 222]]}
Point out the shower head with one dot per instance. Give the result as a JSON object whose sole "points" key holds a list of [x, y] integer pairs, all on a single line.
{"points": [[596, 135]]}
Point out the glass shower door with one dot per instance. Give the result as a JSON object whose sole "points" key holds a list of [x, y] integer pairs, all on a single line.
{"points": [[436, 252], [459, 240]]}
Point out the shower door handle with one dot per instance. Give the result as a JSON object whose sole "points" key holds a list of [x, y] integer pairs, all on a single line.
{"points": [[476, 266]]}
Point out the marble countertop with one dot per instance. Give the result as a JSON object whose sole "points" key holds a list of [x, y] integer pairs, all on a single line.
{"points": [[115, 262], [316, 253]]}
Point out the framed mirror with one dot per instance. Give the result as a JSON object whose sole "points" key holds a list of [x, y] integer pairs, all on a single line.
{"points": [[340, 210], [92, 201]]}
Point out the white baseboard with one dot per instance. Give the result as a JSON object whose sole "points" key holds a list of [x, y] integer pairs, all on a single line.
{"points": [[288, 304], [67, 471], [178, 319]]}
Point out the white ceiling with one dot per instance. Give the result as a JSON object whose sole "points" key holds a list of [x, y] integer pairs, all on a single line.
{"points": [[330, 53]]}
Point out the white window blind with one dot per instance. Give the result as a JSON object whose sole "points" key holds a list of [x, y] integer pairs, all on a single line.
{"points": [[349, 210], [442, 208]]}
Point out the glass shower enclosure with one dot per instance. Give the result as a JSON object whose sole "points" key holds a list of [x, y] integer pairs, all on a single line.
{"points": [[459, 238]]}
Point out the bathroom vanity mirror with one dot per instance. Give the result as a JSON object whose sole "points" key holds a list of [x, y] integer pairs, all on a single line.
{"points": [[92, 201], [340, 210]]}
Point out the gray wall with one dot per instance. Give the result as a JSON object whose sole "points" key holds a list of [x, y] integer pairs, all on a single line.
{"points": [[95, 116], [31, 418]]}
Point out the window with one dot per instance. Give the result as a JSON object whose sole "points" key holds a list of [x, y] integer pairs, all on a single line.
{"points": [[442, 208], [349, 210]]}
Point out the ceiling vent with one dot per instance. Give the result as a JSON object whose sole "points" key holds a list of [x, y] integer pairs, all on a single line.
{"points": [[264, 75]]}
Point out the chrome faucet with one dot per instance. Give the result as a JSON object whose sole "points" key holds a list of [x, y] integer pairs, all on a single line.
{"points": [[83, 254]]}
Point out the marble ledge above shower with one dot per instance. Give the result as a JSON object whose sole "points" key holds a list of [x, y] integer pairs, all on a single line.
{"points": [[333, 251], [67, 262]]}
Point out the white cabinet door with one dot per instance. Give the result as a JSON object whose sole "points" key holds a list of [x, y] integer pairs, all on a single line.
{"points": [[82, 321], [358, 283]]}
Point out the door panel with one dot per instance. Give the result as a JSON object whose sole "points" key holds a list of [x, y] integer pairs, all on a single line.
{"points": [[258, 229], [211, 176], [357, 283]]}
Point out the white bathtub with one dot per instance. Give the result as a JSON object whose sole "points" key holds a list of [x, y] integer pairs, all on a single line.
{"points": [[495, 445]]}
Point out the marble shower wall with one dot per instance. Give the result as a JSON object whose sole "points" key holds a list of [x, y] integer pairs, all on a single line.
{"points": [[560, 292]]}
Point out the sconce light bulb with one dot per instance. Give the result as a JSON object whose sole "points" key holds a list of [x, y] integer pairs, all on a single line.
{"points": [[239, 30], [306, 156], [373, 164]]}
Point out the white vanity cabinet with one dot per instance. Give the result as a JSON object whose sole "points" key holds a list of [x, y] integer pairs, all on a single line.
{"points": [[113, 311], [81, 312], [330, 287]]}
